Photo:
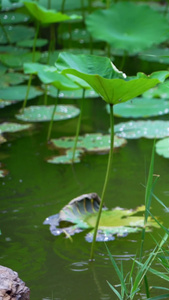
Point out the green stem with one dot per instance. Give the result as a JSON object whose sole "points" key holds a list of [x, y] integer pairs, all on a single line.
{"points": [[46, 95], [35, 40], [63, 6], [27, 91], [78, 125], [52, 119], [33, 58], [105, 181], [49, 4]]}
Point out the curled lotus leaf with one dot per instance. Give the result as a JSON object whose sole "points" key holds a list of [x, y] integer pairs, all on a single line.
{"points": [[162, 147], [91, 142], [47, 16], [81, 214], [141, 107], [43, 113], [160, 91], [137, 129]]}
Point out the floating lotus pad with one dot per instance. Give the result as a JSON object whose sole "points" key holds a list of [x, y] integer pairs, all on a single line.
{"points": [[95, 142], [16, 33], [138, 129], [47, 16], [124, 27], [72, 94], [44, 113], [30, 43], [18, 93], [160, 91], [162, 147], [11, 79], [13, 127], [16, 60], [141, 107], [13, 18], [67, 158], [81, 214]]}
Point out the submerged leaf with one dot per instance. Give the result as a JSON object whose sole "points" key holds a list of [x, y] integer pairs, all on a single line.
{"points": [[44, 113], [81, 213], [141, 107], [162, 147], [138, 129]]}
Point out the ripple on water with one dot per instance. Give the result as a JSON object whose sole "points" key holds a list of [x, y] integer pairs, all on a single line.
{"points": [[79, 266]]}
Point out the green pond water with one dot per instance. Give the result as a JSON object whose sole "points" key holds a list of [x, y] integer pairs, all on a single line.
{"points": [[55, 267]]}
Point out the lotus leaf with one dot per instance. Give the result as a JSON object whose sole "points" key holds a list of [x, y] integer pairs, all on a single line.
{"points": [[104, 78], [3, 69], [141, 107], [48, 74], [13, 60], [13, 18], [95, 142], [30, 43], [43, 113], [138, 129], [69, 4], [18, 93], [81, 213], [4, 103], [16, 33], [13, 127], [11, 79], [66, 158], [47, 16], [162, 147], [124, 27], [160, 91], [71, 94]]}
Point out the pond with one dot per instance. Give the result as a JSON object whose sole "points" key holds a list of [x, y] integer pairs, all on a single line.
{"points": [[55, 267], [58, 267]]}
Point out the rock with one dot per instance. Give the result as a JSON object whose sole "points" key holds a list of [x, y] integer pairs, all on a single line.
{"points": [[11, 286]]}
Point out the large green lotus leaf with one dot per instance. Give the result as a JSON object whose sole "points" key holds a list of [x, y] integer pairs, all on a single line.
{"points": [[128, 26], [47, 16], [93, 142], [16, 33], [160, 55], [67, 157], [13, 127], [81, 213], [12, 18], [103, 76], [162, 147], [138, 129], [18, 93], [13, 60], [160, 91], [44, 113], [11, 79], [141, 107], [48, 74], [30, 43]]}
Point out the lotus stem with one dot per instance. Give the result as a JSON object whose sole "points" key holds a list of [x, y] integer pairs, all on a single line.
{"points": [[46, 95], [63, 6], [49, 4], [52, 119], [105, 181], [78, 125], [33, 58]]}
